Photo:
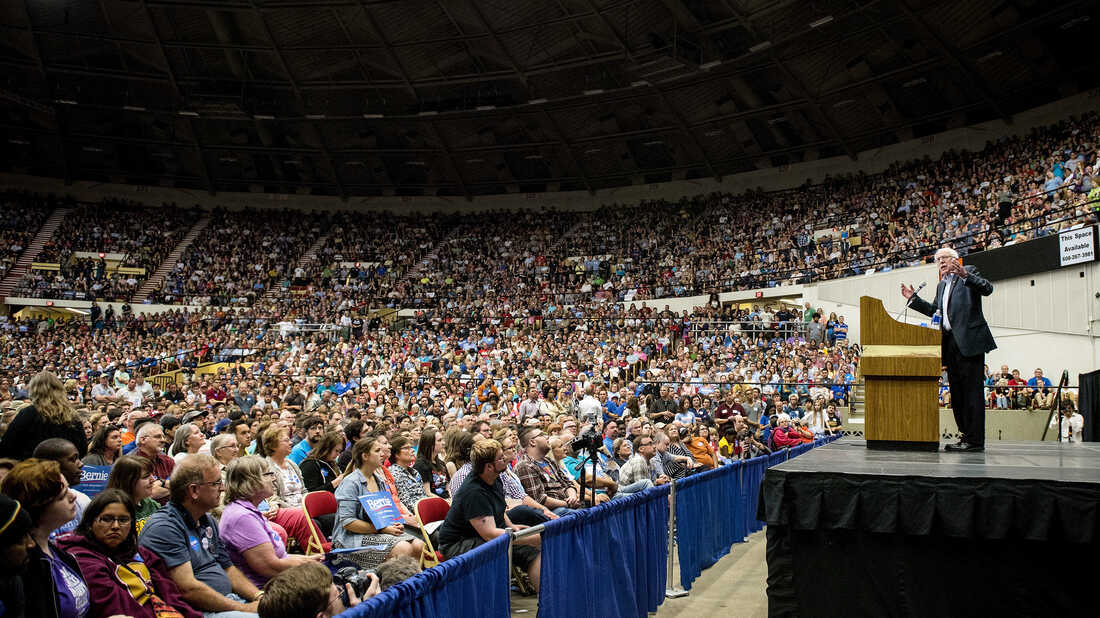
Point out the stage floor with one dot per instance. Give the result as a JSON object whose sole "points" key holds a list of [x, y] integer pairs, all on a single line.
{"points": [[1045, 461]]}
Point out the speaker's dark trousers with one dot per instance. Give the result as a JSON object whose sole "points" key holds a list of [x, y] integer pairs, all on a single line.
{"points": [[965, 377]]}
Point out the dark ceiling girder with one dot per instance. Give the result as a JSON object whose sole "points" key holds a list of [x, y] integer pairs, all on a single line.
{"points": [[60, 119], [696, 79], [389, 51], [204, 167], [625, 174], [955, 58], [522, 76], [474, 58], [684, 127], [496, 39], [221, 5], [793, 81], [569, 148], [451, 160], [412, 90], [302, 103]]}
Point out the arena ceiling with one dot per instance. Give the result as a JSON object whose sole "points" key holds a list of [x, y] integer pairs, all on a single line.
{"points": [[476, 97]]}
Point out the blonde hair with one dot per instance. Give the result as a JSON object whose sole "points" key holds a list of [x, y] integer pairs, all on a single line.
{"points": [[47, 393], [244, 477]]}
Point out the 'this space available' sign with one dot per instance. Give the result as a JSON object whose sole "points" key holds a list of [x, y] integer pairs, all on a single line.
{"points": [[1077, 246]]}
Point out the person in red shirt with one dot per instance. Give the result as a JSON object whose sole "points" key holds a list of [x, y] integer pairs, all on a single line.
{"points": [[216, 392]]}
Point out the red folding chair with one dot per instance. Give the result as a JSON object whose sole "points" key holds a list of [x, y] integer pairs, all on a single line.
{"points": [[315, 504], [428, 510]]}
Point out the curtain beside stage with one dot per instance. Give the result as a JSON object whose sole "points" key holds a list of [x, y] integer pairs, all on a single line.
{"points": [[915, 546], [1088, 403]]}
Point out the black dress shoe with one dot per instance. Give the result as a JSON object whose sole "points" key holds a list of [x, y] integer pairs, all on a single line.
{"points": [[964, 447]]}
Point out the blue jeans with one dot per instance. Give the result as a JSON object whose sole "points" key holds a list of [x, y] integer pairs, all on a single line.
{"points": [[230, 614], [633, 488], [562, 511]]}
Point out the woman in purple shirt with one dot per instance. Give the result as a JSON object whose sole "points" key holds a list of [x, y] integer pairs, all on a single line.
{"points": [[254, 547]]}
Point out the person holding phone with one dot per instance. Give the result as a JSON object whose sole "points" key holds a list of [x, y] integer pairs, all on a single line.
{"points": [[965, 341]]}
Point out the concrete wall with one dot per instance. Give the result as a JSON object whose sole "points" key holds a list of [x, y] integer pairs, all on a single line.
{"points": [[138, 309], [771, 179]]}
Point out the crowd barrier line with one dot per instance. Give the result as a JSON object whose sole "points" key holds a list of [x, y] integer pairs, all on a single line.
{"points": [[611, 561]]}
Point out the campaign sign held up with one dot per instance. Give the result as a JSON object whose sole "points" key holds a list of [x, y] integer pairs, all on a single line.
{"points": [[380, 509], [93, 479]]}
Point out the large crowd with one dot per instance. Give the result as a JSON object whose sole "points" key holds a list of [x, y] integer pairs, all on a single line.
{"points": [[436, 408], [143, 236], [240, 256], [21, 214], [518, 378], [1013, 190]]}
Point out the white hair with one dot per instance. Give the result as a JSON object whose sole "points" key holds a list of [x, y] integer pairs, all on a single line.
{"points": [[948, 251], [148, 429]]}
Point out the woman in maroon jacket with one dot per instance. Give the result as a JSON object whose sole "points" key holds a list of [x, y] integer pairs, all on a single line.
{"points": [[123, 579]]}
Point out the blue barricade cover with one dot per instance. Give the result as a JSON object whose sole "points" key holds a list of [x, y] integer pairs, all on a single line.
{"points": [[608, 561], [709, 519], [474, 583]]}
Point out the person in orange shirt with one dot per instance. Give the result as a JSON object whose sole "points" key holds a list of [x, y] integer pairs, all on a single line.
{"points": [[698, 442]]}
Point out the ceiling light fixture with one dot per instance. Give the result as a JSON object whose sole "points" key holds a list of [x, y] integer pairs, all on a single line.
{"points": [[133, 108], [536, 101], [914, 82], [315, 116], [65, 101], [373, 116], [706, 66], [261, 116], [817, 23], [485, 108], [184, 112], [594, 91], [760, 46], [991, 55]]}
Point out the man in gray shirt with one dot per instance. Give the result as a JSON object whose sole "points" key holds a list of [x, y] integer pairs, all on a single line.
{"points": [[529, 407], [815, 330]]}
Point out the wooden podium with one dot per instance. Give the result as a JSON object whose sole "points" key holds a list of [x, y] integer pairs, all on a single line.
{"points": [[901, 370]]}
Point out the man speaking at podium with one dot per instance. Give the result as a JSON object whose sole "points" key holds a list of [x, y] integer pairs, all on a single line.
{"points": [[965, 340]]}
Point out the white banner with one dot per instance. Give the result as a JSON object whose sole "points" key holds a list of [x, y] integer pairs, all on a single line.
{"points": [[1077, 246]]}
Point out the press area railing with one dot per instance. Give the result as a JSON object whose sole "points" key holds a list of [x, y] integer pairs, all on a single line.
{"points": [[613, 560]]}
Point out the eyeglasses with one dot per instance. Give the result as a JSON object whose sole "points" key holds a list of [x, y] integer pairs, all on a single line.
{"points": [[269, 474], [107, 520], [219, 482]]}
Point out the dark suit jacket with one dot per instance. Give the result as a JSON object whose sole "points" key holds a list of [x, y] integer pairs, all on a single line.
{"points": [[964, 312]]}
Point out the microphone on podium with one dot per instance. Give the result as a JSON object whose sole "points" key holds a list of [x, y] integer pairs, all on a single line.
{"points": [[905, 312], [919, 288]]}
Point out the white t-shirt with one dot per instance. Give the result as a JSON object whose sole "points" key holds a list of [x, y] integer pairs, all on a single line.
{"points": [[590, 409], [1074, 424]]}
